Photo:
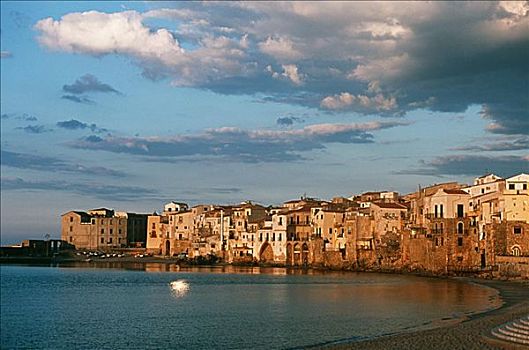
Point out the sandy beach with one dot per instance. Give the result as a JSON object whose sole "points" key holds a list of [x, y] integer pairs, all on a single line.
{"points": [[472, 333]]}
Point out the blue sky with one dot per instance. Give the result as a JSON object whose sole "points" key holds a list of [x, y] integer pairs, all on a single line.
{"points": [[128, 105]]}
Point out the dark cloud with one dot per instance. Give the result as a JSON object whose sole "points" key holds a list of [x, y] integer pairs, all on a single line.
{"points": [[513, 143], [239, 144], [288, 121], [387, 58], [43, 163], [78, 99], [29, 118], [73, 124], [25, 117], [34, 129], [101, 191], [88, 83], [471, 165]]}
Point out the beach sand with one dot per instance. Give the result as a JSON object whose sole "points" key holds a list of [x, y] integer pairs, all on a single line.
{"points": [[472, 333]]}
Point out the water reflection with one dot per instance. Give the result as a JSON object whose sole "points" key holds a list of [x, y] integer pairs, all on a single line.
{"points": [[278, 308], [179, 288]]}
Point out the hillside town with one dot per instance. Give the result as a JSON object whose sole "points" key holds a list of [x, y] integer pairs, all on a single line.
{"points": [[440, 229]]}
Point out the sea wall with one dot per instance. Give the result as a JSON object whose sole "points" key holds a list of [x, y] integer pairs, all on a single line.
{"points": [[512, 267]]}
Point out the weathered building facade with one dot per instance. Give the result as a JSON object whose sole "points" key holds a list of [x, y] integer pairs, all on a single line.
{"points": [[103, 229]]}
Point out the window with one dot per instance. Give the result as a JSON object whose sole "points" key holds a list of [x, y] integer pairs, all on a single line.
{"points": [[280, 221], [102, 221], [459, 241], [179, 236], [435, 211], [110, 240], [297, 220], [517, 230], [71, 218], [330, 231], [119, 231], [93, 221], [273, 236], [279, 237], [516, 251], [511, 186], [460, 210], [441, 211], [102, 231], [102, 240], [460, 228], [524, 186], [110, 222], [153, 225], [71, 239], [71, 228]]}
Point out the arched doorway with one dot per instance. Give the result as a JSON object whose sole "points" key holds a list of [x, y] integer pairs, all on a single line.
{"points": [[297, 255], [167, 247], [266, 253], [290, 259], [305, 254]]}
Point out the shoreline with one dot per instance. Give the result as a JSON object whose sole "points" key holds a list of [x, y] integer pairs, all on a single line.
{"points": [[471, 332]]}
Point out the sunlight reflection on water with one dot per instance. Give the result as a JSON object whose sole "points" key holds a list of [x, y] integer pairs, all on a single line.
{"points": [[179, 288]]}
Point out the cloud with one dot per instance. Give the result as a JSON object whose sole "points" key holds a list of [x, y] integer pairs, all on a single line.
{"points": [[73, 124], [512, 143], [34, 129], [242, 145], [471, 165], [95, 190], [25, 116], [290, 73], [367, 57], [346, 100], [88, 83], [288, 121], [78, 99], [213, 190], [5, 54], [43, 163], [280, 48]]}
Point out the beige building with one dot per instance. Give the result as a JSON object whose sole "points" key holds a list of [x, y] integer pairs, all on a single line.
{"points": [[103, 229]]}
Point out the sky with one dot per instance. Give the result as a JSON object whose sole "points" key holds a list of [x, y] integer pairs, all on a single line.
{"points": [[128, 105]]}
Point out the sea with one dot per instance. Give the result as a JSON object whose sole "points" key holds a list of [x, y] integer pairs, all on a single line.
{"points": [[158, 306]]}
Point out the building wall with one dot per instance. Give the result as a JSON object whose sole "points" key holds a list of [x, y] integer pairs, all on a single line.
{"points": [[102, 233], [76, 232]]}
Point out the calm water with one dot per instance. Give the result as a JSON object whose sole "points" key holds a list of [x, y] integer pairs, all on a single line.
{"points": [[98, 308]]}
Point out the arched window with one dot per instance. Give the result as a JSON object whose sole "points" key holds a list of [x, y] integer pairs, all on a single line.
{"points": [[516, 251], [460, 228]]}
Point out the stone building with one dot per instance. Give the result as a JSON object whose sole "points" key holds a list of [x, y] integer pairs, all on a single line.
{"points": [[103, 229]]}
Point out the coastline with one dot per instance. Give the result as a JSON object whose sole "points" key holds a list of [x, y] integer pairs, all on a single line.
{"points": [[470, 333]]}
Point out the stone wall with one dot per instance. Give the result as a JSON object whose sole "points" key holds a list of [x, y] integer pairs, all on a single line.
{"points": [[512, 267]]}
